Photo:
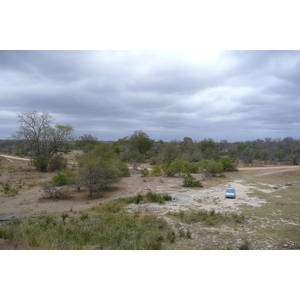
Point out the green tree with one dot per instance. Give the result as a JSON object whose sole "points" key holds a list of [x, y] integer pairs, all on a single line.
{"points": [[179, 166], [228, 164], [141, 141], [170, 153], [190, 181], [209, 148], [211, 167], [96, 173], [99, 168]]}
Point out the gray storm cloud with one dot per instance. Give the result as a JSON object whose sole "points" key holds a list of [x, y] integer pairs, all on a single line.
{"points": [[240, 95]]}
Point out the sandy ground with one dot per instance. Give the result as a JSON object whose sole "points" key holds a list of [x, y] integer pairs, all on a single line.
{"points": [[29, 201]]}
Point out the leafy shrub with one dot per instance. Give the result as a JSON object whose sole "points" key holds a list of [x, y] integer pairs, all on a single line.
{"points": [[41, 163], [153, 197], [136, 199], [150, 197], [62, 178], [123, 168], [117, 149], [156, 160], [156, 171], [190, 181], [9, 191], [211, 167], [57, 162], [228, 164], [97, 173], [144, 172], [179, 166]]}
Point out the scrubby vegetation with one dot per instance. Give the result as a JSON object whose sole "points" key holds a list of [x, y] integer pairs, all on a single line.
{"points": [[9, 191], [211, 218], [106, 226], [150, 197], [190, 181]]}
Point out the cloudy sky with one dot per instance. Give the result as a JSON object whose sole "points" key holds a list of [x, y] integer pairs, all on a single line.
{"points": [[232, 95]]}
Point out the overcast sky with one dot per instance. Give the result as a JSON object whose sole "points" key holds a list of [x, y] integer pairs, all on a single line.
{"points": [[232, 95]]}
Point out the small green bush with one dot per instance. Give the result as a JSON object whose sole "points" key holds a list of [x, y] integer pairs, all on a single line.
{"points": [[190, 181], [179, 166], [144, 172], [62, 178], [228, 164], [122, 168], [156, 171], [150, 197], [57, 162], [136, 199], [156, 198], [9, 191], [41, 163]]}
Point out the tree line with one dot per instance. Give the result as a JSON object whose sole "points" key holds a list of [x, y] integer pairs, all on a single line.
{"points": [[103, 163]]}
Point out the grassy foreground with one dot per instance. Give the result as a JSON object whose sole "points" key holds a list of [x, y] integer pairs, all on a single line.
{"points": [[107, 226]]}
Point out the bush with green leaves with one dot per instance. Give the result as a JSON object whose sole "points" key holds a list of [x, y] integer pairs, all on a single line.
{"points": [[156, 171], [41, 163], [97, 174], [211, 167], [144, 172], [57, 162], [150, 197], [190, 181], [123, 168], [157, 198], [179, 166], [135, 199], [228, 164], [62, 178], [9, 191]]}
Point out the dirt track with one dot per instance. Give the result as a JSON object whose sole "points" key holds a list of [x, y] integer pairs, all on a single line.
{"points": [[9, 157]]}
